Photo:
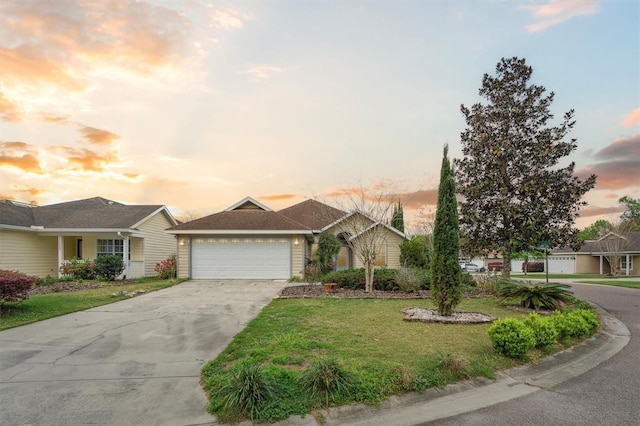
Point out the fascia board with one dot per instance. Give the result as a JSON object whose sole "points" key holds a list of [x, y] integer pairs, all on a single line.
{"points": [[239, 232]]}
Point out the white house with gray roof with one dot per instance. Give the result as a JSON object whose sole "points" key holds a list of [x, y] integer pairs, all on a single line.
{"points": [[37, 240]]}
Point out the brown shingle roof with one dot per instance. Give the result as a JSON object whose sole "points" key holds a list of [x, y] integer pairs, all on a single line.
{"points": [[90, 213], [313, 214], [633, 238], [253, 220]]}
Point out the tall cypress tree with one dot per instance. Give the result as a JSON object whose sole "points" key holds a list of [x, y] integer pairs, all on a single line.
{"points": [[445, 270], [397, 220]]}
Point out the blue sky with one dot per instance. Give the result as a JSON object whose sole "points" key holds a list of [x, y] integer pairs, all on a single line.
{"points": [[197, 104]]}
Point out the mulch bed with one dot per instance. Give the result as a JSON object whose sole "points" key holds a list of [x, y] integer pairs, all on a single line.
{"points": [[70, 286]]}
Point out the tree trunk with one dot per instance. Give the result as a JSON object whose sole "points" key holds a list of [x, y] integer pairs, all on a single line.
{"points": [[368, 277], [506, 263]]}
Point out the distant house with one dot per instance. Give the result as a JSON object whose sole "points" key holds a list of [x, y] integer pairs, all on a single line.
{"points": [[37, 240], [592, 258], [249, 240]]}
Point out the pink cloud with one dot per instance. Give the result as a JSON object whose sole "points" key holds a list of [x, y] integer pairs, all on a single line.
{"points": [[633, 118], [557, 11]]}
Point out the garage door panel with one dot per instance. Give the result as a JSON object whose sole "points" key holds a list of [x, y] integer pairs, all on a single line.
{"points": [[241, 257]]}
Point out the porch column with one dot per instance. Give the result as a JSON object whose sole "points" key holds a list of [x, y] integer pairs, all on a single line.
{"points": [[600, 264], [627, 264], [60, 254], [125, 256]]}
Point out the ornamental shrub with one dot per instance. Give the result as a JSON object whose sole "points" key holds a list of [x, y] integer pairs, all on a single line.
{"points": [[79, 269], [109, 266], [14, 285], [534, 295], [543, 329], [166, 268], [590, 317], [512, 338], [408, 280], [384, 279], [570, 324], [415, 253]]}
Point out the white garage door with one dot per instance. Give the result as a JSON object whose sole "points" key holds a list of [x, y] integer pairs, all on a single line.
{"points": [[241, 257]]}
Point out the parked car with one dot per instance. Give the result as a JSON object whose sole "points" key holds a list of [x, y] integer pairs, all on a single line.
{"points": [[472, 267]]}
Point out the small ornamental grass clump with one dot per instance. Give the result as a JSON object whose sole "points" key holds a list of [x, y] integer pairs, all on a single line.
{"points": [[327, 378], [167, 268], [511, 337], [247, 390], [549, 296], [14, 286]]}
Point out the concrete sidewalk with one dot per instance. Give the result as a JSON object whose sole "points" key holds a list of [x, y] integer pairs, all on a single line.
{"points": [[134, 362], [415, 409]]}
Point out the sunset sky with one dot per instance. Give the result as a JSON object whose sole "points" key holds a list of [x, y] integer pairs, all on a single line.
{"points": [[197, 104]]}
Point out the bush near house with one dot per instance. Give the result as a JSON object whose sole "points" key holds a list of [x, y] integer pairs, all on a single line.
{"points": [[14, 285], [167, 268], [79, 269], [383, 279], [109, 266]]}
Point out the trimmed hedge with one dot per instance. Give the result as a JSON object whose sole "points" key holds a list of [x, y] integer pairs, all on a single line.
{"points": [[14, 285], [384, 279]]}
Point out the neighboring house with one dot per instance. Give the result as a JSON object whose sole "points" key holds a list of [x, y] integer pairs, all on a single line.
{"points": [[251, 241], [37, 240], [592, 257]]}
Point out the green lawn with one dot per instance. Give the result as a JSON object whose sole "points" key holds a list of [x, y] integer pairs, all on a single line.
{"points": [[43, 306], [383, 354], [541, 275], [614, 282]]}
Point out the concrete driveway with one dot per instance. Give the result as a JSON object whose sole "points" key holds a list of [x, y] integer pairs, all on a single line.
{"points": [[135, 362]]}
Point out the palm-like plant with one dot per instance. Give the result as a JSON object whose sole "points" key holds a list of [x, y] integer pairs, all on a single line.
{"points": [[550, 296]]}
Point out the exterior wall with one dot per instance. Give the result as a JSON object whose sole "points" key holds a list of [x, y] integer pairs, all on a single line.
{"points": [[297, 255], [29, 253], [588, 264], [70, 247], [158, 245], [184, 256], [393, 250]]}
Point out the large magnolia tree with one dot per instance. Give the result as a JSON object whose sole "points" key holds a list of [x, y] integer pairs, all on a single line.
{"points": [[516, 194]]}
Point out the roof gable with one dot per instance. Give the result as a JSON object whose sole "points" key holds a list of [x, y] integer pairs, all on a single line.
{"points": [[248, 203], [313, 214]]}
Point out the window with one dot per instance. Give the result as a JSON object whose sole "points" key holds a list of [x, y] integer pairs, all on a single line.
{"points": [[381, 253], [623, 263], [112, 247]]}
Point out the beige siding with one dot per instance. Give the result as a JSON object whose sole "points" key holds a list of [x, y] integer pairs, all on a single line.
{"points": [[69, 247], [158, 245], [137, 248], [393, 250], [183, 257], [297, 256], [29, 253], [588, 264]]}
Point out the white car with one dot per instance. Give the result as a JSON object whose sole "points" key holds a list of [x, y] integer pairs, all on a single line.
{"points": [[472, 267]]}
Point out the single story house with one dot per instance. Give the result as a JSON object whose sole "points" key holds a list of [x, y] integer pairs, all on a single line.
{"points": [[592, 257], [249, 240], [37, 240]]}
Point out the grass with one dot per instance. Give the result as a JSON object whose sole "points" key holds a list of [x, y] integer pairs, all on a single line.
{"points": [[382, 354], [542, 275], [44, 306], [614, 282]]}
